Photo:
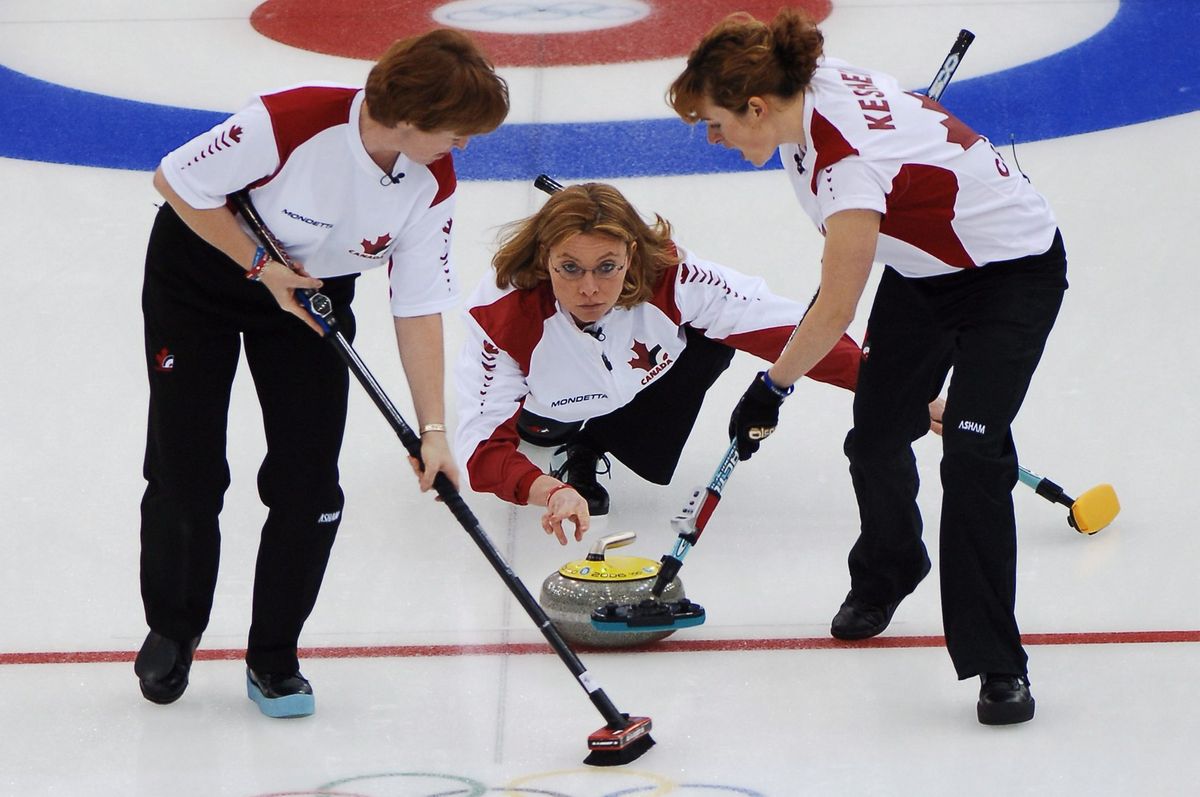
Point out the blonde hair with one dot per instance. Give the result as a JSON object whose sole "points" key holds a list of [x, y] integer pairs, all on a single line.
{"points": [[742, 57], [522, 261]]}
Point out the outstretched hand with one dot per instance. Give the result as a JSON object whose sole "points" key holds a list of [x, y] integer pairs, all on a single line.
{"points": [[563, 503], [566, 505]]}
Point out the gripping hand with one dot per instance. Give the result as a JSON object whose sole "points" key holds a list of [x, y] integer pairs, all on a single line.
{"points": [[756, 414]]}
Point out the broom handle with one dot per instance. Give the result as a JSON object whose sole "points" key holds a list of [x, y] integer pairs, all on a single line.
{"points": [[1044, 487], [691, 523]]}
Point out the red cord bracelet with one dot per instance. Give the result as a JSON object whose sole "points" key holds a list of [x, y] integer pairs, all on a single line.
{"points": [[555, 490]]}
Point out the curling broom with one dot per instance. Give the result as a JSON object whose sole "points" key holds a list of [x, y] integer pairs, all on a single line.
{"points": [[623, 738]]}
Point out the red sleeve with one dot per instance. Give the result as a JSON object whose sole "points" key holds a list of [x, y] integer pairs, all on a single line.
{"points": [[840, 366], [498, 467], [514, 324]]}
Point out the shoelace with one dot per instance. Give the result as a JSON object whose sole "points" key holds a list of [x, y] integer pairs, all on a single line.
{"points": [[603, 459], [573, 460]]}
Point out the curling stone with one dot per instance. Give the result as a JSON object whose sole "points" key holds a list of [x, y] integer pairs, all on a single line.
{"points": [[570, 594]]}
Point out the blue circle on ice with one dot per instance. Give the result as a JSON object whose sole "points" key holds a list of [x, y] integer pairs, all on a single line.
{"points": [[1139, 67]]}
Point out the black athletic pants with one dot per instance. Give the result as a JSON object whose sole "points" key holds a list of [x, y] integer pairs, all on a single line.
{"points": [[648, 434], [199, 310], [990, 325]]}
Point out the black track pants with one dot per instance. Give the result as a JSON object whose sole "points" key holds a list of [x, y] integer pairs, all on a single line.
{"points": [[199, 311], [990, 325], [648, 434]]}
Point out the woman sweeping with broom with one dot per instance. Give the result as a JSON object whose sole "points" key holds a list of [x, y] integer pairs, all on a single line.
{"points": [[976, 275]]}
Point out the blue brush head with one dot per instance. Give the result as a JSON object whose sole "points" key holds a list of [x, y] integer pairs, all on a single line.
{"points": [[648, 616]]}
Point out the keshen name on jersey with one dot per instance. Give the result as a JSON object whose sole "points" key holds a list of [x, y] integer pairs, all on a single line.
{"points": [[864, 87]]}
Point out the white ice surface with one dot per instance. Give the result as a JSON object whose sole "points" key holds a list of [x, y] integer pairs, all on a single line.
{"points": [[1112, 402]]}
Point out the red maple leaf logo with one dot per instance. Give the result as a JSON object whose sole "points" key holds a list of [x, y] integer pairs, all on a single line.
{"points": [[644, 358], [378, 246], [956, 131]]}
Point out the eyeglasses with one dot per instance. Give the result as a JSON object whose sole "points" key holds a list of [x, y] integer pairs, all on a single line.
{"points": [[605, 271]]}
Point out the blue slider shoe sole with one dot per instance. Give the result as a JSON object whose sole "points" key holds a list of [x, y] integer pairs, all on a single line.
{"points": [[280, 695]]}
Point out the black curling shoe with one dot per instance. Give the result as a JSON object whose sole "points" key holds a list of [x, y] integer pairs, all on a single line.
{"points": [[577, 465], [280, 694], [858, 619], [162, 667], [1004, 699]]}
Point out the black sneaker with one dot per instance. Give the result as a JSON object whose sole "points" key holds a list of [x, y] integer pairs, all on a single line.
{"points": [[280, 694], [162, 667], [858, 619], [577, 465], [1004, 699]]}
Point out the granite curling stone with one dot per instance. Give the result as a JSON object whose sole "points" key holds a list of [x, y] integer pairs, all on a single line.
{"points": [[575, 590]]}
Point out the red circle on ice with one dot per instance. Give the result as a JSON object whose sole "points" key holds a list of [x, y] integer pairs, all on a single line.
{"points": [[512, 32]]}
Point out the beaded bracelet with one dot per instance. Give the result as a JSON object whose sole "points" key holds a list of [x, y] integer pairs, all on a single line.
{"points": [[261, 259]]}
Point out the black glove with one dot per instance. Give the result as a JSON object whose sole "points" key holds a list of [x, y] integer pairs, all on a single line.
{"points": [[756, 415]]}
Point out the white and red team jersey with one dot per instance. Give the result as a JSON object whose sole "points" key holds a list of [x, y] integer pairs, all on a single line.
{"points": [[947, 197], [523, 350], [333, 208]]}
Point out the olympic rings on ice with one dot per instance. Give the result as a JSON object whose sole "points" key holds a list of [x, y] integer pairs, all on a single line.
{"points": [[601, 783]]}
